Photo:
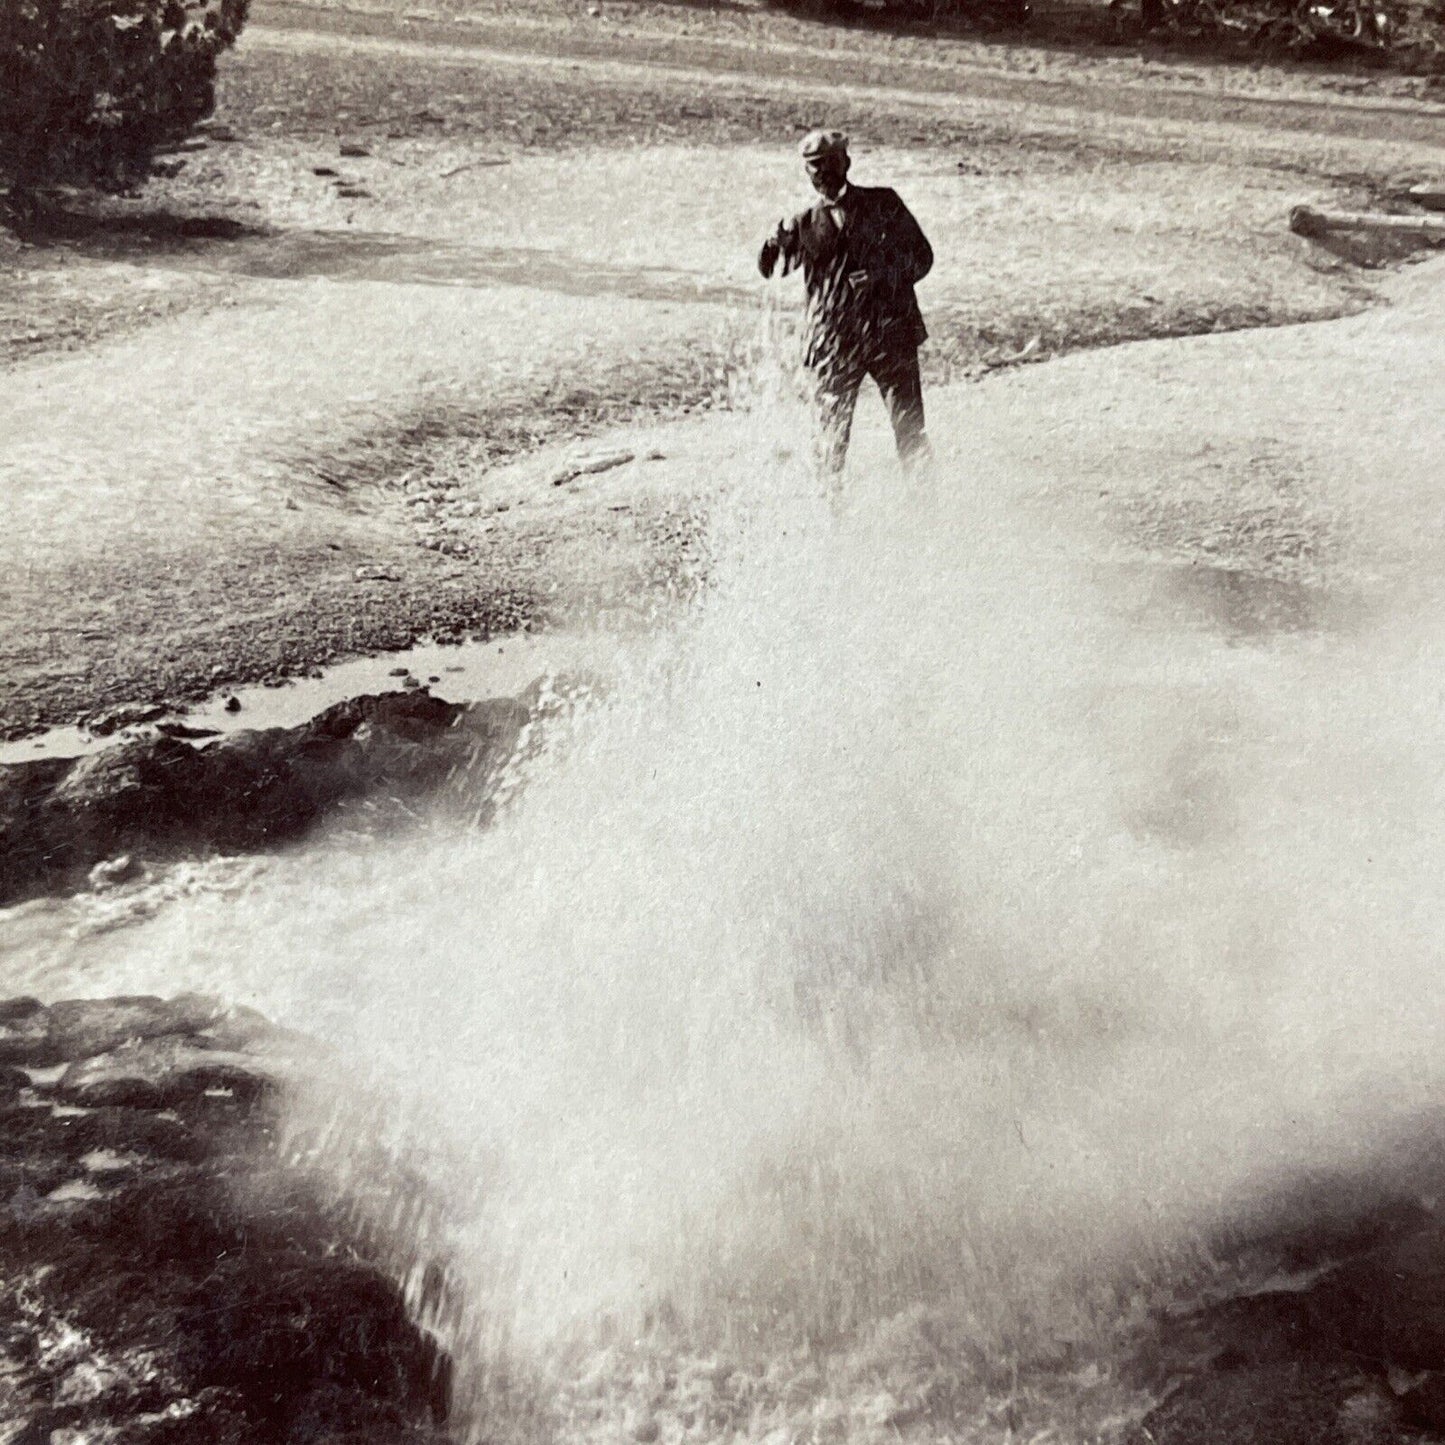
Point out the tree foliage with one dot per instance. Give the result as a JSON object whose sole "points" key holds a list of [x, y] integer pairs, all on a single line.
{"points": [[90, 90]]}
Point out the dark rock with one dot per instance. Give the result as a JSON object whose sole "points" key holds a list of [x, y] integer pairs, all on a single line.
{"points": [[279, 1327], [212, 228], [336, 1416], [213, 1417], [1389, 1305], [24, 1030], [1326, 1220], [162, 1073], [185, 730], [351, 150], [80, 1028], [17, 1010], [1257, 1329], [33, 1134], [124, 717], [160, 798], [1423, 1406], [209, 1293], [1291, 1403], [233, 703], [107, 793]]}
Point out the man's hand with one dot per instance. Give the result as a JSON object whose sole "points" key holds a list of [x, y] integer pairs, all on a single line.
{"points": [[768, 256]]}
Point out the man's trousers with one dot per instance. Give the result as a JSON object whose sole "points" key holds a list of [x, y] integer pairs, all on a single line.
{"points": [[836, 395]]}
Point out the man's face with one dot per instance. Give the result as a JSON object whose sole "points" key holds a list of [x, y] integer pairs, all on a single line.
{"points": [[828, 173]]}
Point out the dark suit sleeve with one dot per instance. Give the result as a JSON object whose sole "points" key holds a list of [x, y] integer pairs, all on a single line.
{"points": [[785, 243], [912, 257]]}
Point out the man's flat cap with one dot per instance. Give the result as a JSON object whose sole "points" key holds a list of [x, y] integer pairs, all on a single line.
{"points": [[819, 143]]}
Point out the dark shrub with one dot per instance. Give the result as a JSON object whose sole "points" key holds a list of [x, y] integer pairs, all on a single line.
{"points": [[90, 90]]}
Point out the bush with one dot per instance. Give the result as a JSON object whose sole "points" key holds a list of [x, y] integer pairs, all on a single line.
{"points": [[90, 90]]}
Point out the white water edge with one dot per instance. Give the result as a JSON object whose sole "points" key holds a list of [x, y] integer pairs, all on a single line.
{"points": [[501, 666]]}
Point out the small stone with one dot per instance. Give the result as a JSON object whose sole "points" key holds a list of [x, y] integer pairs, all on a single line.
{"points": [[75, 1191], [353, 150], [114, 871], [371, 572], [185, 731], [123, 717], [108, 1161], [400, 672], [233, 703], [1430, 195]]}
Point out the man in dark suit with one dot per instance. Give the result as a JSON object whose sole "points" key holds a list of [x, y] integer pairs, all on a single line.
{"points": [[861, 253]]}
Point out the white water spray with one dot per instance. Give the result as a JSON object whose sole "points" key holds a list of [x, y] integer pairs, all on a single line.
{"points": [[902, 931]]}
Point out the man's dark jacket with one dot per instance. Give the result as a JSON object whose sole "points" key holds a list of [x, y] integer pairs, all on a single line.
{"points": [[859, 276]]}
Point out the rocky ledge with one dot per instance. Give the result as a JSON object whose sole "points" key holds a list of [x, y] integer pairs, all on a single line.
{"points": [[156, 798], [166, 1276], [1344, 1346]]}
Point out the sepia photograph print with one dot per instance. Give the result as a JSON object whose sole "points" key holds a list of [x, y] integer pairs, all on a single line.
{"points": [[722, 722]]}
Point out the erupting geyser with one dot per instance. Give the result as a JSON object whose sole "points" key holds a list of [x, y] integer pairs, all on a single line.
{"points": [[907, 935]]}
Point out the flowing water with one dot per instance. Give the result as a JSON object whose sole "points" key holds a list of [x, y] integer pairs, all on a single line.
{"points": [[924, 947]]}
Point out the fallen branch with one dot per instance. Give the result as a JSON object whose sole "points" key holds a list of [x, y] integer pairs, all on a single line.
{"points": [[470, 166], [590, 466], [1306, 221], [1430, 194]]}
